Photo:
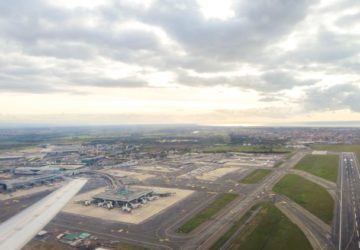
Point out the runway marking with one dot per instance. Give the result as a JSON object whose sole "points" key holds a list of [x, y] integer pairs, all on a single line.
{"points": [[341, 191]]}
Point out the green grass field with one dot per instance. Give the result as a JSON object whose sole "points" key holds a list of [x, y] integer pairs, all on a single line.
{"points": [[324, 166], [256, 176], [268, 230], [235, 226], [339, 148], [308, 194], [205, 214]]}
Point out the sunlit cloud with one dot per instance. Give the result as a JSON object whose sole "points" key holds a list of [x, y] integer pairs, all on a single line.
{"points": [[192, 61]]}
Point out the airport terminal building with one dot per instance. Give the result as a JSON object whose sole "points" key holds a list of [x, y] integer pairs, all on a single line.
{"points": [[123, 195], [36, 170], [27, 182]]}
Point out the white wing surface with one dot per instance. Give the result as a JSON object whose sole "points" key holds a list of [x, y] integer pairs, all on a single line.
{"points": [[21, 228]]}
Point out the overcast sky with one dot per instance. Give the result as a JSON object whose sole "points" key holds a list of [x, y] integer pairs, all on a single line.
{"points": [[207, 62]]}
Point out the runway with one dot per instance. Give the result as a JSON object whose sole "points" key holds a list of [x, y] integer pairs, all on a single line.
{"points": [[347, 225]]}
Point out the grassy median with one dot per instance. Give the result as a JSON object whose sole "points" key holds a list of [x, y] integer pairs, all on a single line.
{"points": [[124, 246], [256, 176], [308, 194], [268, 230], [324, 166], [340, 148], [220, 202]]}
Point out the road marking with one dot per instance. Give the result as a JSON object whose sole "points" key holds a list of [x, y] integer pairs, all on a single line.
{"points": [[357, 233], [356, 223], [359, 244]]}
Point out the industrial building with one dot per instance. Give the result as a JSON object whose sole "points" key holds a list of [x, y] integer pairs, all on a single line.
{"points": [[123, 195], [26, 182], [66, 166], [11, 157], [36, 170], [92, 160]]}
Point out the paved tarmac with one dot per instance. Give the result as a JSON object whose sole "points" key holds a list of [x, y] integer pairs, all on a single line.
{"points": [[213, 232], [346, 227]]}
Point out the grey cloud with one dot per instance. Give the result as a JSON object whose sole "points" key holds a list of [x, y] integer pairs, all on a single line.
{"points": [[277, 80], [328, 47], [40, 30], [342, 96], [256, 24], [271, 81], [44, 30], [211, 44], [35, 86], [30, 77], [350, 19], [111, 83], [270, 99]]}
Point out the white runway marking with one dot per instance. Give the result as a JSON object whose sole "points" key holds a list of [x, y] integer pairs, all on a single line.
{"points": [[341, 191]]}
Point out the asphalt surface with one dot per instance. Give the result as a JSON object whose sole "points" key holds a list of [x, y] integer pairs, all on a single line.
{"points": [[347, 226], [317, 232], [213, 232]]}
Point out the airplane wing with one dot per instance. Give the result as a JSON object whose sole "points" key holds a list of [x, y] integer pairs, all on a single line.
{"points": [[21, 228]]}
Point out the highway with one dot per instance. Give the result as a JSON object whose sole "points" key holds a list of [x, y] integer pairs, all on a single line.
{"points": [[347, 222]]}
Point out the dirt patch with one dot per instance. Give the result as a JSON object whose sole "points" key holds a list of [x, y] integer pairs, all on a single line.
{"points": [[133, 175], [217, 173], [157, 168]]}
